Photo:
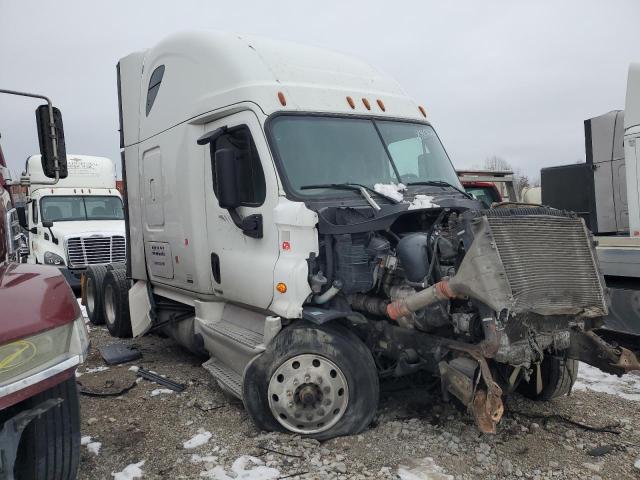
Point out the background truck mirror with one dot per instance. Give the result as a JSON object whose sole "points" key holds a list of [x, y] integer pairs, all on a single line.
{"points": [[227, 178], [51, 145]]}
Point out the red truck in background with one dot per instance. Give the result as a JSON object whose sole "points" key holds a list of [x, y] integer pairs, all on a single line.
{"points": [[43, 339]]}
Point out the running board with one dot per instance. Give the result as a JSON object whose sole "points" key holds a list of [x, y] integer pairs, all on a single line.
{"points": [[227, 378]]}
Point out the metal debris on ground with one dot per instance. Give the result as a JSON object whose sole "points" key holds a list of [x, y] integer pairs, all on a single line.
{"points": [[160, 380]]}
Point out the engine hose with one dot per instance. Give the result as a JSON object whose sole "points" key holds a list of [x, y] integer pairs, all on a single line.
{"points": [[331, 292], [435, 293]]}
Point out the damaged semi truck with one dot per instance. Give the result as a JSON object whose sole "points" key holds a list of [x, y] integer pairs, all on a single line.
{"points": [[293, 216]]}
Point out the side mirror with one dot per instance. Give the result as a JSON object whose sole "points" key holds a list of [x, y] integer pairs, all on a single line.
{"points": [[227, 178], [47, 223], [22, 216], [51, 139]]}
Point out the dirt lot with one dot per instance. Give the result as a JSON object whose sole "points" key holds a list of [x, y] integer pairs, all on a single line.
{"points": [[414, 433]]}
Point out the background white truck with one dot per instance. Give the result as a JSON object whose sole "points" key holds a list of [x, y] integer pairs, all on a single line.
{"points": [[77, 222], [605, 190], [293, 217]]}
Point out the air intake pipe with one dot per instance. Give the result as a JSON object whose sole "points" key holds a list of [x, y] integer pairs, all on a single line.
{"points": [[481, 276]]}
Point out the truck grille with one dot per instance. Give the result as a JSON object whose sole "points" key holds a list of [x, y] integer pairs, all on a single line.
{"points": [[83, 251], [550, 263]]}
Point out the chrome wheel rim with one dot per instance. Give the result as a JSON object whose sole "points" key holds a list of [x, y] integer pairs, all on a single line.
{"points": [[109, 304], [308, 394]]}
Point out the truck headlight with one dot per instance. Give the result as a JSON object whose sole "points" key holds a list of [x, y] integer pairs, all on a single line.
{"points": [[66, 345], [51, 258]]}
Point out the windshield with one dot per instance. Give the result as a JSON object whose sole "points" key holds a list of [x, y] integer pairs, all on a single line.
{"points": [[315, 150], [61, 208]]}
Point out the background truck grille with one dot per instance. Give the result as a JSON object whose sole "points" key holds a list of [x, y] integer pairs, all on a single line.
{"points": [[83, 251], [550, 263]]}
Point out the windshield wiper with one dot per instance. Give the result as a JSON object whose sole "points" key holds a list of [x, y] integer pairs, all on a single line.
{"points": [[357, 187], [440, 183]]}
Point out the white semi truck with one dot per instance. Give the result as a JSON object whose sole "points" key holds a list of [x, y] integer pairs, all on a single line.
{"points": [[293, 217], [77, 222]]}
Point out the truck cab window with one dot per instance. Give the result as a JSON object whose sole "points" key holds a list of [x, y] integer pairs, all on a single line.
{"points": [[154, 86], [252, 188]]}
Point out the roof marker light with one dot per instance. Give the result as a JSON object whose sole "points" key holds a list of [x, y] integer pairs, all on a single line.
{"points": [[283, 101], [351, 103], [381, 105], [366, 103], [422, 111]]}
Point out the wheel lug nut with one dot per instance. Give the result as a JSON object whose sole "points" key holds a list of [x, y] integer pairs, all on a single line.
{"points": [[290, 404], [319, 381], [307, 377], [295, 382], [321, 412], [289, 393]]}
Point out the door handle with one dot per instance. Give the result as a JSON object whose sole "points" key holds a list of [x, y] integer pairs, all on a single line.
{"points": [[215, 267]]}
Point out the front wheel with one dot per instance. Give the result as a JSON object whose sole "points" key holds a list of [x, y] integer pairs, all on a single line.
{"points": [[314, 380]]}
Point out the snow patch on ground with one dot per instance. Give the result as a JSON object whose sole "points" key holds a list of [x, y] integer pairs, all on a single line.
{"points": [[422, 469], [198, 439], [637, 464], [91, 370], [256, 471], [195, 458], [93, 447], [160, 391], [83, 309], [590, 378], [391, 190], [134, 368], [130, 472], [422, 201]]}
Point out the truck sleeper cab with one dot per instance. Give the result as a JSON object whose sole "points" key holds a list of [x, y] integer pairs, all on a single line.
{"points": [[293, 216], [77, 222]]}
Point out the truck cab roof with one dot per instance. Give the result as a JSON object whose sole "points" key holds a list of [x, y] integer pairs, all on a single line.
{"points": [[193, 73], [85, 171]]}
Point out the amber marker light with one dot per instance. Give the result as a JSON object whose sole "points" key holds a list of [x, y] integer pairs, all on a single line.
{"points": [[381, 105], [422, 111], [281, 287], [351, 103], [283, 101], [366, 103]]}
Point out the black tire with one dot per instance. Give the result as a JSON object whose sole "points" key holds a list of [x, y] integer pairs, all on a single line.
{"points": [[558, 376], [337, 344], [115, 303], [93, 292], [50, 445]]}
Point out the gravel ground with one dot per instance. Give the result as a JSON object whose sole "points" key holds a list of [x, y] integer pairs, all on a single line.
{"points": [[202, 434]]}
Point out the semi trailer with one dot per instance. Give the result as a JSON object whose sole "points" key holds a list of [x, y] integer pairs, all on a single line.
{"points": [[79, 221], [42, 338], [293, 217]]}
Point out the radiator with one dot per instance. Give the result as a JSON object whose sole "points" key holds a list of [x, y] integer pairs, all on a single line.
{"points": [[550, 262]]}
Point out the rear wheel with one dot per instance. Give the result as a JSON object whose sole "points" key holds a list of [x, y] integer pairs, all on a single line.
{"points": [[93, 288], [557, 376], [315, 380], [50, 445], [115, 303]]}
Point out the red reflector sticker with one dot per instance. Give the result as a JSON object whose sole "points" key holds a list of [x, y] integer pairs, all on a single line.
{"points": [[286, 246]]}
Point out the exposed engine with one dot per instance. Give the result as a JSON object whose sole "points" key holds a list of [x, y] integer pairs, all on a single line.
{"points": [[464, 294]]}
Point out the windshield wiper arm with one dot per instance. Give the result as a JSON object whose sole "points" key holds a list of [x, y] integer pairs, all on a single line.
{"points": [[440, 183], [358, 187]]}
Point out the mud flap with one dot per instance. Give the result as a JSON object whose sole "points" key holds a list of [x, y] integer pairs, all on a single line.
{"points": [[139, 308]]}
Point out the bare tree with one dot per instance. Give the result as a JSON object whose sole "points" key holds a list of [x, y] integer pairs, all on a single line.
{"points": [[520, 179]]}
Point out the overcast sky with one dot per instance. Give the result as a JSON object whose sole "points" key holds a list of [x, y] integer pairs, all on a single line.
{"points": [[507, 78]]}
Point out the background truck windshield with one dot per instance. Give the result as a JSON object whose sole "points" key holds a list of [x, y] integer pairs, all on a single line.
{"points": [[320, 150], [60, 208]]}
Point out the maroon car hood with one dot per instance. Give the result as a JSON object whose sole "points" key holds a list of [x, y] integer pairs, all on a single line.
{"points": [[33, 298]]}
